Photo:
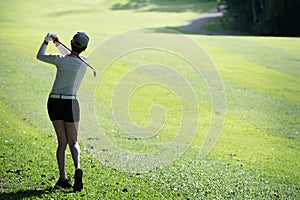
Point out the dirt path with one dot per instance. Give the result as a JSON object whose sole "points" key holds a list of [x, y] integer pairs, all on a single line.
{"points": [[196, 25]]}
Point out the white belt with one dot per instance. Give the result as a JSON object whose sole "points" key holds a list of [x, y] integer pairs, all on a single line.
{"points": [[61, 96]]}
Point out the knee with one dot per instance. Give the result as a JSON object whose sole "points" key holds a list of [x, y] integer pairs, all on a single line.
{"points": [[62, 146], [73, 144]]}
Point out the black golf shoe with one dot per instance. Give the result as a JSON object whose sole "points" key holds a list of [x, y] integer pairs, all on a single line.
{"points": [[78, 185], [63, 184]]}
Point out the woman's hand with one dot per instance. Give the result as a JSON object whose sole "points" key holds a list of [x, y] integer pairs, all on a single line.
{"points": [[50, 36]]}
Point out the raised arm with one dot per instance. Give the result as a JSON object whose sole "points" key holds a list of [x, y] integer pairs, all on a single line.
{"points": [[61, 48], [41, 55]]}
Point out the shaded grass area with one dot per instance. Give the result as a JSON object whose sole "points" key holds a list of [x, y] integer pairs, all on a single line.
{"points": [[176, 6], [218, 25]]}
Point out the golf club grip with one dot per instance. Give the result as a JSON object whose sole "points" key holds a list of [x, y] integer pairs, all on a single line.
{"points": [[56, 39]]}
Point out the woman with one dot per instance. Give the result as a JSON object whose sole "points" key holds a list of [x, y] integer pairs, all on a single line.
{"points": [[63, 107]]}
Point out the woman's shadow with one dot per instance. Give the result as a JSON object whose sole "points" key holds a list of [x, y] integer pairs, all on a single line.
{"points": [[21, 194]]}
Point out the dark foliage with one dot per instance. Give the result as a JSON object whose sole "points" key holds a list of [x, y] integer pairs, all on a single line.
{"points": [[264, 17]]}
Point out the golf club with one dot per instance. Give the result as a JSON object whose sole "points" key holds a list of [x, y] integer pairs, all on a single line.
{"points": [[56, 40]]}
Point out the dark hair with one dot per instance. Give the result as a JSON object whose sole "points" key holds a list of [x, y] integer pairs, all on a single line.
{"points": [[76, 49]]}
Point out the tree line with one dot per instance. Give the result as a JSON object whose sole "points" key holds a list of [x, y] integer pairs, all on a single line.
{"points": [[263, 17]]}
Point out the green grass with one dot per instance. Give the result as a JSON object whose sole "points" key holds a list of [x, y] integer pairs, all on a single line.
{"points": [[256, 157]]}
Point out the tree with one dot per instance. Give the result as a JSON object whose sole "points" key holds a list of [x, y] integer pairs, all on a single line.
{"points": [[264, 17]]}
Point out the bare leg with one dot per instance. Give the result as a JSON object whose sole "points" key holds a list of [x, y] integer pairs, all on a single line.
{"points": [[72, 132], [60, 130]]}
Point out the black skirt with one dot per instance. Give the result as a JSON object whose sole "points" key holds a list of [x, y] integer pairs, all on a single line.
{"points": [[63, 109]]}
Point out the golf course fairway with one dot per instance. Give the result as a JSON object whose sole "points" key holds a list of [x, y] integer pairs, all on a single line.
{"points": [[256, 155]]}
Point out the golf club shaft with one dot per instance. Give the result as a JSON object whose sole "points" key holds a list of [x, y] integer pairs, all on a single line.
{"points": [[56, 39]]}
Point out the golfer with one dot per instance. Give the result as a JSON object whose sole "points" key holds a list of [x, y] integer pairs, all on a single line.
{"points": [[63, 107]]}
